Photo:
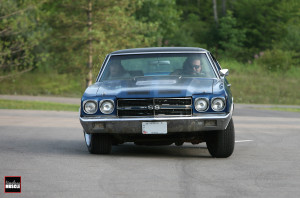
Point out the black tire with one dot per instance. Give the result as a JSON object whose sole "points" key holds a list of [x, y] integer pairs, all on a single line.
{"points": [[221, 143], [98, 143]]}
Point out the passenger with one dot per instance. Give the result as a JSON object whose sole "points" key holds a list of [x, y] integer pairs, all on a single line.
{"points": [[116, 70]]}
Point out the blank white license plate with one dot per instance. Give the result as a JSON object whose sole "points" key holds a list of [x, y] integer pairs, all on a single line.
{"points": [[154, 128]]}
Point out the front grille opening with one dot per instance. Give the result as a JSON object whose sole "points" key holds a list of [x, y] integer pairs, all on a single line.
{"points": [[123, 113], [180, 112], [148, 107], [134, 103], [171, 101]]}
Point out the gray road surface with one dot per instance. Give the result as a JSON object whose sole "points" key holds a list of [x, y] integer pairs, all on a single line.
{"points": [[46, 148]]}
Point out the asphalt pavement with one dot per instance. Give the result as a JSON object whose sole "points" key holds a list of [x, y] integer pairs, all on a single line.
{"points": [[47, 149]]}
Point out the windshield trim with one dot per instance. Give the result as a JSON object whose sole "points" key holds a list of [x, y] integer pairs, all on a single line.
{"points": [[165, 52]]}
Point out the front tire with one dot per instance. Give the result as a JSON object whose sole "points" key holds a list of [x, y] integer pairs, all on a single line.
{"points": [[221, 143], [98, 143]]}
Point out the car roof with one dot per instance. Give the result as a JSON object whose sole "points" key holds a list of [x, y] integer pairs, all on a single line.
{"points": [[158, 50]]}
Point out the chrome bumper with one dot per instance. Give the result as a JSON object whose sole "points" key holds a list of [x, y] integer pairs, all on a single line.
{"points": [[117, 125]]}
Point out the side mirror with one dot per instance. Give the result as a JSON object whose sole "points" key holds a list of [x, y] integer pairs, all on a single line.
{"points": [[224, 72]]}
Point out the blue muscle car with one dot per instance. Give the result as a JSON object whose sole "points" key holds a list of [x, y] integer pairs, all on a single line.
{"points": [[159, 96]]}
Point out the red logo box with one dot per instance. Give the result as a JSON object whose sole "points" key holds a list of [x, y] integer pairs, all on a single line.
{"points": [[12, 184]]}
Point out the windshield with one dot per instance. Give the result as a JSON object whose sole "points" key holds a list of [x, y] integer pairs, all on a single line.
{"points": [[194, 65]]}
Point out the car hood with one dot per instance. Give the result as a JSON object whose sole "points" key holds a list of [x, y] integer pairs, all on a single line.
{"points": [[147, 87]]}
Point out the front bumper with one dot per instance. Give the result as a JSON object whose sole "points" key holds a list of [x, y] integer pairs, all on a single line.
{"points": [[196, 123]]}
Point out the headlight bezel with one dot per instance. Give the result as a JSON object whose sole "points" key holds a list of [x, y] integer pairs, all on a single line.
{"points": [[202, 98], [96, 107], [107, 100], [218, 98]]}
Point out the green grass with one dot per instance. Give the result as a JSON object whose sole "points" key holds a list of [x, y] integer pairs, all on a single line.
{"points": [[37, 105], [251, 84], [44, 83], [282, 109]]}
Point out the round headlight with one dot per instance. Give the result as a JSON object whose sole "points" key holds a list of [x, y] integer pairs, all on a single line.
{"points": [[107, 106], [218, 104], [201, 104], [90, 107]]}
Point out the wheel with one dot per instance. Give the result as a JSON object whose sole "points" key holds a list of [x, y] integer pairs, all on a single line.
{"points": [[221, 143], [98, 143]]}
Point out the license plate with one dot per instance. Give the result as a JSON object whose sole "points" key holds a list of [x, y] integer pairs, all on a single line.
{"points": [[154, 128]]}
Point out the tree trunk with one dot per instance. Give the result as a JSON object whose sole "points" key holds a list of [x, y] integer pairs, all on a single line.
{"points": [[90, 59], [224, 7], [198, 4], [215, 12]]}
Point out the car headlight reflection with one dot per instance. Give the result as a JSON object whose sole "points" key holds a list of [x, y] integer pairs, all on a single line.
{"points": [[90, 107], [218, 104], [201, 104], [107, 106]]}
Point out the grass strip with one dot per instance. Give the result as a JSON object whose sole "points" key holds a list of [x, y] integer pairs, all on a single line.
{"points": [[37, 105], [282, 109]]}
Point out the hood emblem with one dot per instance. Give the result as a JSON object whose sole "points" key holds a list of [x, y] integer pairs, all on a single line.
{"points": [[157, 107]]}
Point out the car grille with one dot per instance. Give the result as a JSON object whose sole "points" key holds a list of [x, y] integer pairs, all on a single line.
{"points": [[154, 107]]}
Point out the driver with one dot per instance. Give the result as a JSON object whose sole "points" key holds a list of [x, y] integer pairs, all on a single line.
{"points": [[192, 66]]}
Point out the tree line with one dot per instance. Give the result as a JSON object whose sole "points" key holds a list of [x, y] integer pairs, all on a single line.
{"points": [[74, 36]]}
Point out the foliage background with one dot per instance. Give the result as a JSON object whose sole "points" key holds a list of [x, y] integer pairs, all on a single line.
{"points": [[45, 44]]}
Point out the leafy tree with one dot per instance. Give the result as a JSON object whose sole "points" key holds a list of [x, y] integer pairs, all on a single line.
{"points": [[76, 37], [21, 33], [164, 15], [230, 37], [264, 22], [291, 40], [196, 23], [192, 32], [276, 60]]}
